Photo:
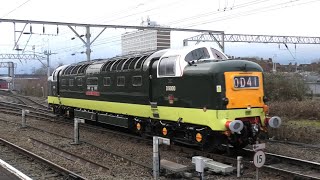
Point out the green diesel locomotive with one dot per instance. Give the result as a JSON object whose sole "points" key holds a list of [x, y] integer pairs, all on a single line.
{"points": [[194, 95]]}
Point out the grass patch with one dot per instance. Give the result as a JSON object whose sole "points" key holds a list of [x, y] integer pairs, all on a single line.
{"points": [[293, 109], [301, 121], [304, 123]]}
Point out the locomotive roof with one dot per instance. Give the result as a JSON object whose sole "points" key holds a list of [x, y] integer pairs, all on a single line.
{"points": [[211, 67], [125, 62], [186, 49]]}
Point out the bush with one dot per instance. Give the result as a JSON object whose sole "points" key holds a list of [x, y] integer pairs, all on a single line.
{"points": [[283, 87], [293, 109]]}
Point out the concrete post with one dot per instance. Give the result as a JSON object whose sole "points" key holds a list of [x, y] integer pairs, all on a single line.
{"points": [[239, 165], [156, 159], [156, 154], [199, 166], [24, 112], [76, 130]]}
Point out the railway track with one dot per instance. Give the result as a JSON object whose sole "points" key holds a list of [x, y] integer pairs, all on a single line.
{"points": [[305, 145], [33, 165], [16, 109], [298, 168], [24, 100], [30, 102], [291, 167], [109, 151]]}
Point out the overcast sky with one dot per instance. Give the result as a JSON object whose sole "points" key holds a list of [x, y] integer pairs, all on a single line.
{"points": [[271, 17]]}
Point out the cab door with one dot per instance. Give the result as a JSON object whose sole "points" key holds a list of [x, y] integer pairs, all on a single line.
{"points": [[53, 84], [152, 79], [153, 87]]}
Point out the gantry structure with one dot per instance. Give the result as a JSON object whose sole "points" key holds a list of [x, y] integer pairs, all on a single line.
{"points": [[221, 38]]}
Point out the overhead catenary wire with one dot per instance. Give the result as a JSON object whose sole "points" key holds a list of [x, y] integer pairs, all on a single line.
{"points": [[210, 13], [157, 7], [16, 8], [251, 12], [154, 8], [237, 14], [246, 4], [192, 24]]}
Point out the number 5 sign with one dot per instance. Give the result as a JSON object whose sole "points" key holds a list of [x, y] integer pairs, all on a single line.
{"points": [[259, 159]]}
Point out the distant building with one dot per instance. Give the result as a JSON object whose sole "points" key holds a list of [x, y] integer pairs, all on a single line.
{"points": [[266, 64], [31, 84], [145, 40]]}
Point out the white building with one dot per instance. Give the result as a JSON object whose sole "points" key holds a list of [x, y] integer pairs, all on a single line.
{"points": [[145, 40]]}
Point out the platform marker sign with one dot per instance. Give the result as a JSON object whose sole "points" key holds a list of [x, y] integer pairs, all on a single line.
{"points": [[259, 159]]}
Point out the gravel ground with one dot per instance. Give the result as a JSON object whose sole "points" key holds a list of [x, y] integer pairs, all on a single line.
{"points": [[20, 137], [41, 100], [137, 150], [294, 151], [118, 169], [8, 99]]}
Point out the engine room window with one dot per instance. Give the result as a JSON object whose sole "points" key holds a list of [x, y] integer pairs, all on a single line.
{"points": [[120, 81], [136, 80], [71, 82], [63, 82], [107, 81], [79, 81], [200, 53], [167, 66], [92, 81]]}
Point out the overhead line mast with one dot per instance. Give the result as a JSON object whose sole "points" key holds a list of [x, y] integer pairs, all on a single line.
{"points": [[220, 39]]}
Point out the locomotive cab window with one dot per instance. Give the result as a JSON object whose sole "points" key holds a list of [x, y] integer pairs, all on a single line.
{"points": [[136, 80], [120, 81], [107, 81], [200, 53], [167, 66], [217, 54]]}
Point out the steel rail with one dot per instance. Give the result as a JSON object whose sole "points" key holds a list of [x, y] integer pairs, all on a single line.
{"points": [[287, 161], [89, 127], [284, 159], [52, 165]]}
